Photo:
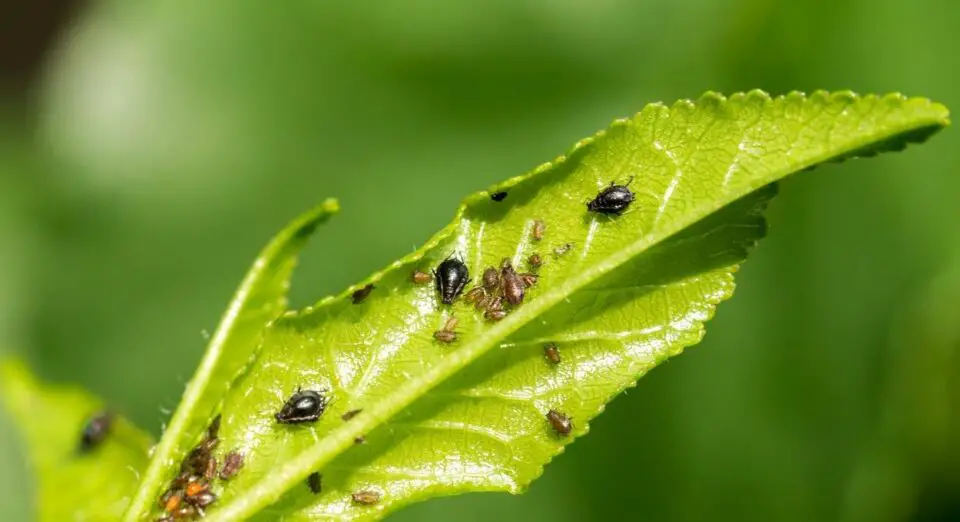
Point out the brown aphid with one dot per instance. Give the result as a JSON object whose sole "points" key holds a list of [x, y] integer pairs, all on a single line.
{"points": [[495, 315], [491, 279], [195, 488], [496, 303], [202, 499], [182, 479], [446, 334], [166, 500], [561, 422], [231, 465], [185, 511], [360, 440], [362, 294], [539, 227], [366, 497], [475, 294], [350, 414], [529, 279], [552, 353], [535, 261], [211, 470], [421, 278], [171, 501], [165, 518], [313, 482], [198, 459], [562, 249], [511, 284]]}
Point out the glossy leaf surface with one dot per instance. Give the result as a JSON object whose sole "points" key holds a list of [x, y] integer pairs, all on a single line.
{"points": [[631, 291]]}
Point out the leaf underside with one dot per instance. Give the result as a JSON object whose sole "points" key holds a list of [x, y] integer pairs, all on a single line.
{"points": [[631, 291]]}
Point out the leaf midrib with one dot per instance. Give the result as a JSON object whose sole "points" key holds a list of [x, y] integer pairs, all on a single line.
{"points": [[340, 439]]}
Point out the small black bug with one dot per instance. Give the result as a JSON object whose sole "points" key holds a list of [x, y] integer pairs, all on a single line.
{"points": [[451, 278], [362, 294], [350, 414], [96, 429], [313, 482], [498, 196], [612, 200], [303, 406], [561, 422]]}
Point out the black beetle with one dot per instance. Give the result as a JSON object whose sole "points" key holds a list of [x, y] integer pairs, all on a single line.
{"points": [[612, 200], [498, 196], [451, 278], [303, 406], [96, 430]]}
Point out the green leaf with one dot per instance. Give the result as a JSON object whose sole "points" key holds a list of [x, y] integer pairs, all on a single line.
{"points": [[261, 298], [73, 485], [635, 289]]}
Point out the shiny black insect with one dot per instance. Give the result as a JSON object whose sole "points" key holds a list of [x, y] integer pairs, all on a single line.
{"points": [[498, 196], [231, 465], [303, 406], [552, 353], [612, 200], [313, 482], [451, 278], [561, 422], [96, 429], [362, 294]]}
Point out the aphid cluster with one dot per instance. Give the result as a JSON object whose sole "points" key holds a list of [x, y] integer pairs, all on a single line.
{"points": [[189, 494], [499, 286]]}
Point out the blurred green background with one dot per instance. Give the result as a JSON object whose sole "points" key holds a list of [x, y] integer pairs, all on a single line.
{"points": [[149, 149]]}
